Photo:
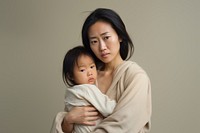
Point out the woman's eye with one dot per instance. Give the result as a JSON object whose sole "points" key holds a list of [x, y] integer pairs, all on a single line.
{"points": [[93, 42], [106, 38]]}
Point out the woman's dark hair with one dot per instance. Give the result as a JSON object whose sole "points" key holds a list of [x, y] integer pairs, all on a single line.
{"points": [[69, 62], [111, 17]]}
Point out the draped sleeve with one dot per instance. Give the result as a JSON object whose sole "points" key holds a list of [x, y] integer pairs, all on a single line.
{"points": [[132, 90]]}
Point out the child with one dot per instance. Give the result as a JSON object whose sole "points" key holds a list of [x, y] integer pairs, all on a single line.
{"points": [[80, 74]]}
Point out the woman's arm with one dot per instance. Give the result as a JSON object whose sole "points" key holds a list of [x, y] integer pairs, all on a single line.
{"points": [[64, 121], [56, 127], [67, 127], [133, 110]]}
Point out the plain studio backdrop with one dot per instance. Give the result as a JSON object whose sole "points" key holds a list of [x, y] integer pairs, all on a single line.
{"points": [[36, 34]]}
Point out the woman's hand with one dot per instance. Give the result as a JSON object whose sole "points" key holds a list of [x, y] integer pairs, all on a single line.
{"points": [[86, 115]]}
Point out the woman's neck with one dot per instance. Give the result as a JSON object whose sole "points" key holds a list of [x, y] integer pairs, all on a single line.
{"points": [[110, 67], [105, 76]]}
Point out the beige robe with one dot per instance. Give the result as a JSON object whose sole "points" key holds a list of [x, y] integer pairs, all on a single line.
{"points": [[84, 95], [131, 89]]}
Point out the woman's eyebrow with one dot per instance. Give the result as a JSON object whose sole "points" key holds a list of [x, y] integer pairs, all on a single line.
{"points": [[102, 34], [92, 37]]}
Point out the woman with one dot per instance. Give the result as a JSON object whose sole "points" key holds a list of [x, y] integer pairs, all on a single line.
{"points": [[105, 36]]}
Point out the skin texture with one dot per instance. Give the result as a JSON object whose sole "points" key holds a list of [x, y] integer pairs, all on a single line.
{"points": [[85, 70], [105, 44]]}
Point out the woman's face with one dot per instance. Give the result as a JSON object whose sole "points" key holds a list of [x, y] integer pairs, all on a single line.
{"points": [[104, 42]]}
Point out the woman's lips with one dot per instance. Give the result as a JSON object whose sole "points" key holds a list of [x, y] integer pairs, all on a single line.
{"points": [[104, 55]]}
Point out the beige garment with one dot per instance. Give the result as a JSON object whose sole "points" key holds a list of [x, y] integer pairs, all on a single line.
{"points": [[131, 89], [84, 95]]}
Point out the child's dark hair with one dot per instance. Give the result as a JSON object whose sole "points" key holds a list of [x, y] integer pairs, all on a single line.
{"points": [[69, 63]]}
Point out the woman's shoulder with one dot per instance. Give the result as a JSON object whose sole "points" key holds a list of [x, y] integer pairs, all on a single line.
{"points": [[133, 70], [128, 70], [131, 67], [135, 67], [133, 74]]}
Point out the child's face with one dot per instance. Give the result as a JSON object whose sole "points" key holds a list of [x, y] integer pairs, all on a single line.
{"points": [[85, 70]]}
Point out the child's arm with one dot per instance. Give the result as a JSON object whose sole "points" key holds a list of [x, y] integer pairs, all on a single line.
{"points": [[95, 97]]}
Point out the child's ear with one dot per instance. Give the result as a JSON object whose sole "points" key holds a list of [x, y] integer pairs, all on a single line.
{"points": [[69, 77]]}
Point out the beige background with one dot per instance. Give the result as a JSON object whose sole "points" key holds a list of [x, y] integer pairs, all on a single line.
{"points": [[34, 36]]}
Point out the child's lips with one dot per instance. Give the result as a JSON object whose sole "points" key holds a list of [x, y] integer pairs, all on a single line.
{"points": [[91, 80]]}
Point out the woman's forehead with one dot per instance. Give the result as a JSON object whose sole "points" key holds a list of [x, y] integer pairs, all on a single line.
{"points": [[99, 28]]}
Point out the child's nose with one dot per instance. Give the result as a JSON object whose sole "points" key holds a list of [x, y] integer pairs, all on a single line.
{"points": [[89, 73]]}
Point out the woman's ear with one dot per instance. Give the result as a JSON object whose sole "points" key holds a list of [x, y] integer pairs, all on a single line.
{"points": [[120, 39]]}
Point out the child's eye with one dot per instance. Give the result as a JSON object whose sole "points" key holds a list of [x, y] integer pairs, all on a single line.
{"points": [[82, 70], [93, 66]]}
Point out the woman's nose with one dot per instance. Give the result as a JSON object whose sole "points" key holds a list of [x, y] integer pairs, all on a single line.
{"points": [[102, 45]]}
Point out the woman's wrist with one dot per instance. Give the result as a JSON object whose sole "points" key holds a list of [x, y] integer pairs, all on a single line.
{"points": [[67, 125]]}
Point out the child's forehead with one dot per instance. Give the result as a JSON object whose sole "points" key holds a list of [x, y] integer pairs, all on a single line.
{"points": [[84, 59]]}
